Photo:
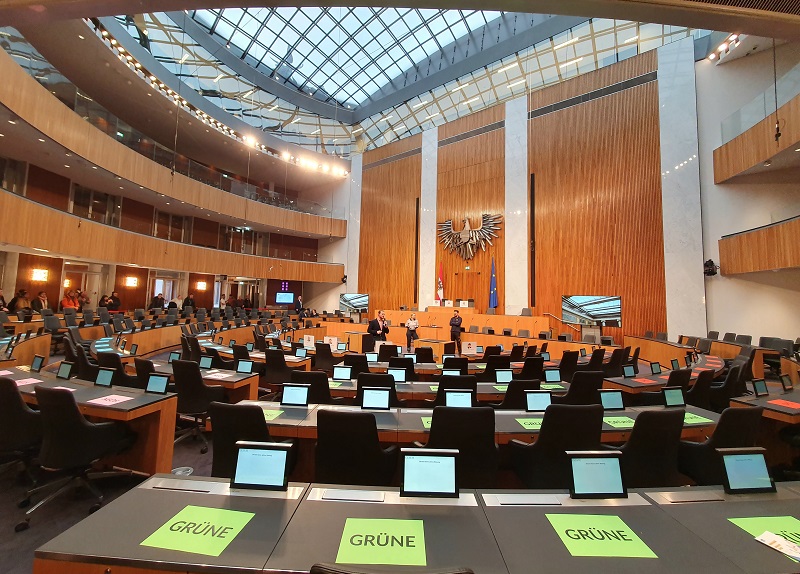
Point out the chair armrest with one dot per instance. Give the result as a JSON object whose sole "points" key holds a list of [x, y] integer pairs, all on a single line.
{"points": [[418, 444], [519, 444]]}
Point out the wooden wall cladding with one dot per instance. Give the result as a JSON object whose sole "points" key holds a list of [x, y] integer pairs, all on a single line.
{"points": [[53, 266], [26, 223], [394, 148], [202, 298], [387, 257], [471, 182], [598, 220], [773, 247], [35, 105], [132, 297], [137, 216], [496, 113], [48, 188]]}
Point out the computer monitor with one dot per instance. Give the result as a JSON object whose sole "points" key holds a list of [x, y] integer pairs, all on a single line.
{"points": [[372, 357], [596, 474], [537, 401], [134, 348], [219, 341], [123, 344], [501, 348], [451, 372], [288, 338], [583, 351], [745, 470], [673, 397], [503, 375], [545, 356], [250, 346], [116, 343], [445, 357], [173, 356], [429, 472], [231, 343], [261, 465], [760, 388], [552, 376], [628, 371], [655, 368], [28, 334], [398, 373], [399, 350], [611, 400], [342, 373], [786, 383], [375, 398], [458, 398], [64, 370], [37, 363], [412, 357], [157, 383], [674, 364], [688, 359], [341, 346], [295, 395], [301, 352], [479, 349], [244, 367], [104, 377], [205, 361]]}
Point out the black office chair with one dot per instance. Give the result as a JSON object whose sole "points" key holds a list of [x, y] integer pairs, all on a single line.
{"points": [[358, 364], [72, 445], [677, 378], [583, 389], [20, 428], [514, 398], [650, 456], [568, 365], [240, 353], [144, 368], [406, 363], [194, 397], [75, 335], [87, 369], [460, 363], [544, 464], [277, 370], [52, 325], [323, 357], [70, 352], [699, 395], [493, 362], [633, 361], [348, 450], [424, 354], [319, 392], [532, 368], [661, 336], [323, 568], [729, 337], [234, 423], [530, 351], [196, 350], [713, 335], [455, 383], [385, 352], [111, 360], [613, 368], [186, 351], [595, 362], [218, 361], [471, 431], [517, 353], [377, 380], [737, 427], [720, 395]]}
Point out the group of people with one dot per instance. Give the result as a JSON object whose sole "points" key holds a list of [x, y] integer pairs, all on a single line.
{"points": [[112, 303], [73, 299], [379, 328]]}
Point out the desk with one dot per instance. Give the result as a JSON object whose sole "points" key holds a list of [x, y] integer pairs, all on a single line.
{"points": [[300, 363], [728, 350], [238, 386], [657, 351], [649, 382], [791, 367], [25, 350], [151, 416]]}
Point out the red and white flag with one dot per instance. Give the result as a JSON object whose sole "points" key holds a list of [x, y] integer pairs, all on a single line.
{"points": [[440, 285]]}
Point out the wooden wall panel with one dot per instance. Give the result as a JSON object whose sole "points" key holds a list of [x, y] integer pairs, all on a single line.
{"points": [[496, 113], [132, 297], [202, 298], [598, 206], [27, 263], [137, 216], [386, 265], [471, 182], [768, 248], [291, 247], [26, 223], [47, 188], [394, 148], [205, 233]]}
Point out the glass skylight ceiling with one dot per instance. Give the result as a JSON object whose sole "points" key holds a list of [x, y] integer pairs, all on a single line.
{"points": [[341, 55]]}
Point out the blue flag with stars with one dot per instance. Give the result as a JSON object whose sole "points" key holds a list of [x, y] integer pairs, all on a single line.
{"points": [[493, 289]]}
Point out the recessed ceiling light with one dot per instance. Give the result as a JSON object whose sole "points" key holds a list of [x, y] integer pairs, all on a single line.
{"points": [[65, 165], [567, 43], [41, 140], [94, 167], [12, 122], [509, 86], [81, 37]]}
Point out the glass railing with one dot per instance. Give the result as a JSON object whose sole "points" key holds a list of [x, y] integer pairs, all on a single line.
{"points": [[30, 60], [762, 106]]}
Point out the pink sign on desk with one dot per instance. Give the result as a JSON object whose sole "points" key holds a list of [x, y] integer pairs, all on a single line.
{"points": [[29, 381], [665, 377], [646, 381], [109, 400], [787, 404], [4, 373]]}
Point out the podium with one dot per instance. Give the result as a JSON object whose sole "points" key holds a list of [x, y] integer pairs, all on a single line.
{"points": [[358, 341]]}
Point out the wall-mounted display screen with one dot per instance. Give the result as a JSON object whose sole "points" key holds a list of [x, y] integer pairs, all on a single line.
{"points": [[283, 298], [602, 310], [354, 302]]}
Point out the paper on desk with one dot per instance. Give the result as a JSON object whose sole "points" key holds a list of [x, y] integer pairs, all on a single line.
{"points": [[4, 373], [218, 375], [780, 544], [29, 381], [109, 400]]}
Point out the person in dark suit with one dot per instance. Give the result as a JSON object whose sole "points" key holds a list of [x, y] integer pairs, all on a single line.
{"points": [[455, 330], [378, 327], [298, 305], [189, 301]]}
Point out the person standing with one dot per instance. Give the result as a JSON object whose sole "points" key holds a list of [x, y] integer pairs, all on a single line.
{"points": [[157, 302], [40, 302], [455, 330], [113, 303], [222, 302], [3, 304], [411, 330], [298, 305], [189, 301], [70, 301], [378, 327]]}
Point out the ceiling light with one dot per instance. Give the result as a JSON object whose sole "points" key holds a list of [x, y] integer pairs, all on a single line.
{"points": [[415, 106], [629, 40], [81, 37], [522, 81], [733, 37], [94, 167], [386, 118], [432, 116], [121, 49], [575, 61], [316, 132], [712, 56], [41, 140], [12, 122], [567, 43], [294, 121], [470, 101], [461, 87], [272, 108], [798, 149], [514, 65], [218, 78], [722, 47], [182, 60], [358, 130], [65, 165], [42, 250], [251, 92]]}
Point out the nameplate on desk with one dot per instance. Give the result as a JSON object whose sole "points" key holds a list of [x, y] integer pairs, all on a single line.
{"points": [[693, 419], [218, 375], [29, 381], [692, 496], [66, 389], [778, 402], [619, 422], [599, 535], [530, 424], [395, 542], [109, 400], [353, 495], [646, 381], [528, 500], [6, 373]]}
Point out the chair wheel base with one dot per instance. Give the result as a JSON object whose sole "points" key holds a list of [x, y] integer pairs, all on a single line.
{"points": [[24, 525], [204, 450], [95, 507], [24, 503]]}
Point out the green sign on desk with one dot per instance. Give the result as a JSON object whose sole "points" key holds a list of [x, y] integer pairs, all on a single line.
{"points": [[530, 424], [786, 526], [334, 384], [598, 535], [619, 422], [426, 422], [550, 386], [199, 530], [501, 388], [434, 388], [271, 415], [383, 541], [693, 419]]}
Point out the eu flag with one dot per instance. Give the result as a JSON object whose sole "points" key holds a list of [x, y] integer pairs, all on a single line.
{"points": [[493, 289]]}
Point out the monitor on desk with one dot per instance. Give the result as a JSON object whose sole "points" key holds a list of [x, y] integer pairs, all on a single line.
{"points": [[399, 350], [134, 348], [244, 367], [205, 361], [64, 370], [611, 399], [786, 383], [674, 364], [552, 376], [429, 472], [583, 351], [375, 398], [342, 373], [545, 356], [655, 368], [412, 357], [295, 395], [673, 397], [537, 401], [250, 346], [104, 377], [745, 470], [445, 357], [596, 474], [398, 373], [28, 334], [688, 359], [372, 357], [628, 371], [458, 398], [37, 363], [451, 372], [261, 465], [123, 344], [173, 356], [231, 343], [503, 375], [157, 383], [479, 349], [301, 352], [760, 388], [341, 346]]}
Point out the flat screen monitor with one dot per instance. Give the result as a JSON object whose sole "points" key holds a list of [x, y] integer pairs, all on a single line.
{"points": [[596, 474], [745, 470], [674, 364], [583, 351], [372, 357], [673, 397], [451, 372], [445, 357], [429, 472], [123, 344], [688, 359], [134, 348], [545, 356], [244, 367], [261, 465], [399, 374], [412, 357], [341, 346], [503, 375], [249, 346], [479, 349], [537, 401], [552, 376], [64, 370], [37, 363], [353, 302], [231, 343], [295, 395], [458, 398], [341, 373], [119, 337], [628, 371], [284, 298], [760, 388], [219, 341], [591, 309], [375, 398], [157, 383], [655, 368], [173, 356], [301, 352], [104, 377], [28, 334], [399, 350], [205, 361], [786, 383], [612, 400]]}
